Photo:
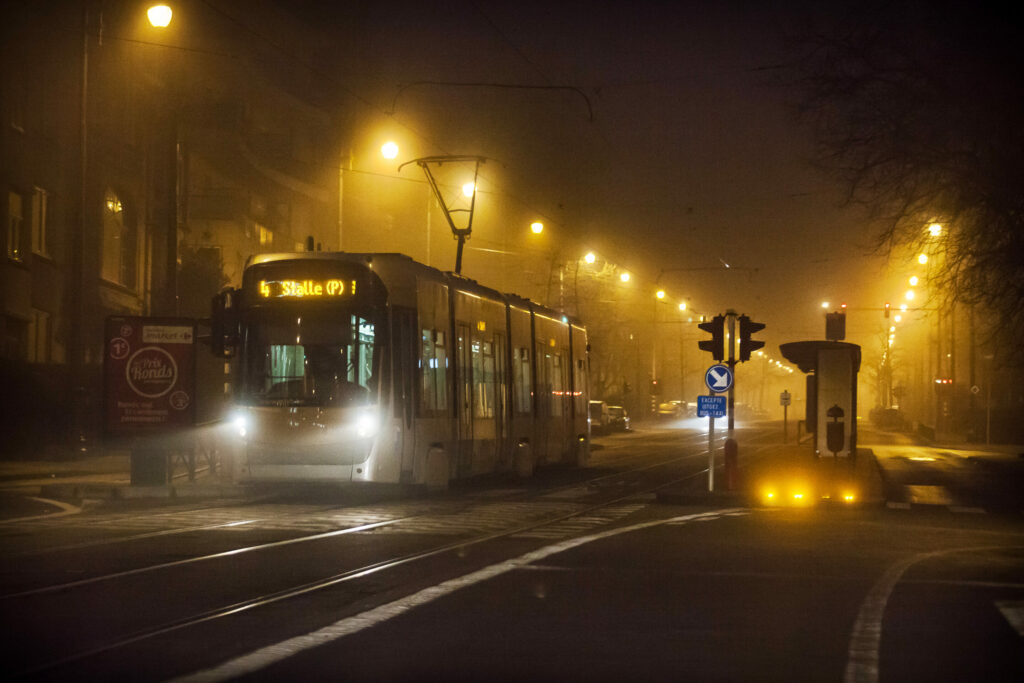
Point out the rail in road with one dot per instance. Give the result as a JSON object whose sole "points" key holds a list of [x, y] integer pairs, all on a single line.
{"points": [[139, 562]]}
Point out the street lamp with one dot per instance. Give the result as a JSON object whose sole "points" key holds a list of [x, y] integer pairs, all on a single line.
{"points": [[537, 227], [922, 259], [468, 189], [590, 257], [624, 277], [660, 294], [935, 229], [389, 150], [159, 16]]}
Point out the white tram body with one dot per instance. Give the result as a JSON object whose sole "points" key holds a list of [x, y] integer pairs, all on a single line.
{"points": [[376, 368]]}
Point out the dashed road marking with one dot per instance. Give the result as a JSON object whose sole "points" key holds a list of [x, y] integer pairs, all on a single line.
{"points": [[1013, 612]]}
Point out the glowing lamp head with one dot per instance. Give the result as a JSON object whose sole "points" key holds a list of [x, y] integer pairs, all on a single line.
{"points": [[624, 277], [922, 259], [389, 150], [660, 294], [468, 189], [537, 227], [590, 257], [682, 305], [935, 229], [159, 16]]}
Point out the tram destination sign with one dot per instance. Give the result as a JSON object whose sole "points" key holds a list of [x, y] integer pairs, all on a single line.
{"points": [[148, 375], [307, 288]]}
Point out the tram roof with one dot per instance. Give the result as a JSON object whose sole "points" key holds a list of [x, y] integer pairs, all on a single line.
{"points": [[457, 280]]}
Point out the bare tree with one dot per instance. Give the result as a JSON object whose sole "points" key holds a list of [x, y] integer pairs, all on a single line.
{"points": [[918, 107]]}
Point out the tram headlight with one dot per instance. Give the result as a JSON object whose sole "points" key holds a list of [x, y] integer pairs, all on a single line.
{"points": [[367, 425], [240, 424]]}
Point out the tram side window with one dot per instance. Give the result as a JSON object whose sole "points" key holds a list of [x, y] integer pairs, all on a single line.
{"points": [[557, 385], [434, 377], [523, 380], [580, 388], [360, 352], [483, 378]]}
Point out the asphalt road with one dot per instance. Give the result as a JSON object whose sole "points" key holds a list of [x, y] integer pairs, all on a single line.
{"points": [[580, 575]]}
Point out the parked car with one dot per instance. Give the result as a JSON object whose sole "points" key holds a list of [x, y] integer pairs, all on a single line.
{"points": [[599, 416], [619, 418]]}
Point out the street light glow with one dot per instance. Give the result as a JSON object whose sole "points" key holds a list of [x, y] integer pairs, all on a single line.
{"points": [[537, 227], [935, 229], [909, 295], [824, 304], [159, 16], [660, 294], [922, 259], [682, 305], [898, 318], [624, 277], [590, 257], [914, 280], [469, 188], [389, 150]]}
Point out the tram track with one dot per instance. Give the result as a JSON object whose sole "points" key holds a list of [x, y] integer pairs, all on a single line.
{"points": [[611, 495]]}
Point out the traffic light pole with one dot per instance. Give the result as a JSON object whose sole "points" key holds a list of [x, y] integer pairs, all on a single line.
{"points": [[730, 316]]}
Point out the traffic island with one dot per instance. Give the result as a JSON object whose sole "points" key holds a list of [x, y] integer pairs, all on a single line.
{"points": [[786, 476]]}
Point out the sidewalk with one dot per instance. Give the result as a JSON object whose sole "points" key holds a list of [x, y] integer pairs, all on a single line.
{"points": [[106, 476]]}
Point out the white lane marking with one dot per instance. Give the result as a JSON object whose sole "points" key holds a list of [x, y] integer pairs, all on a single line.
{"points": [[1013, 612], [264, 657], [65, 510], [862, 656]]}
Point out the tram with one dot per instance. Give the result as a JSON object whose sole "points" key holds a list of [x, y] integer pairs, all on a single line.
{"points": [[377, 368]]}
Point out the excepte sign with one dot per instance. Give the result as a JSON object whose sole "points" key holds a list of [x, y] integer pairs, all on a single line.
{"points": [[148, 375], [711, 406]]}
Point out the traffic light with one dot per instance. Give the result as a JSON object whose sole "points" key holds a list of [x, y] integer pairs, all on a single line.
{"points": [[716, 345], [886, 309], [748, 345]]}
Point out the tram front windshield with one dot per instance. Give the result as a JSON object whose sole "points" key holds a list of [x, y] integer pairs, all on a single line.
{"points": [[326, 359]]}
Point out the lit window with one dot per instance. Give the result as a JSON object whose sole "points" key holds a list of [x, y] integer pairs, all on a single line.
{"points": [[119, 243], [15, 219]]}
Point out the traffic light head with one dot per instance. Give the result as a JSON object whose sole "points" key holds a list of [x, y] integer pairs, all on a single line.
{"points": [[748, 345], [886, 309], [716, 345]]}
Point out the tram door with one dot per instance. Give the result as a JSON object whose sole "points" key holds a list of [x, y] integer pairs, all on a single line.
{"points": [[404, 356], [464, 398], [501, 399]]}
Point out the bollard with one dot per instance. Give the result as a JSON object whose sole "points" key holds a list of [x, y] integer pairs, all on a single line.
{"points": [[732, 464]]}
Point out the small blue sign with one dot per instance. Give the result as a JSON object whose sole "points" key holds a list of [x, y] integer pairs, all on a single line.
{"points": [[718, 378], [711, 406]]}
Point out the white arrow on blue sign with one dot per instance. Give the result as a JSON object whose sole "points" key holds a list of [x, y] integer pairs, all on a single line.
{"points": [[718, 378]]}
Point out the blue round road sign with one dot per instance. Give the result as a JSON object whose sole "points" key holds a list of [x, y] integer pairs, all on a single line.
{"points": [[718, 378]]}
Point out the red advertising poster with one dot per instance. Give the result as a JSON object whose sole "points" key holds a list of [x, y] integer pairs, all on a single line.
{"points": [[148, 375]]}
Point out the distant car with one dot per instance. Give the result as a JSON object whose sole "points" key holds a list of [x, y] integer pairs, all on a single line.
{"points": [[619, 418], [670, 410], [599, 416]]}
